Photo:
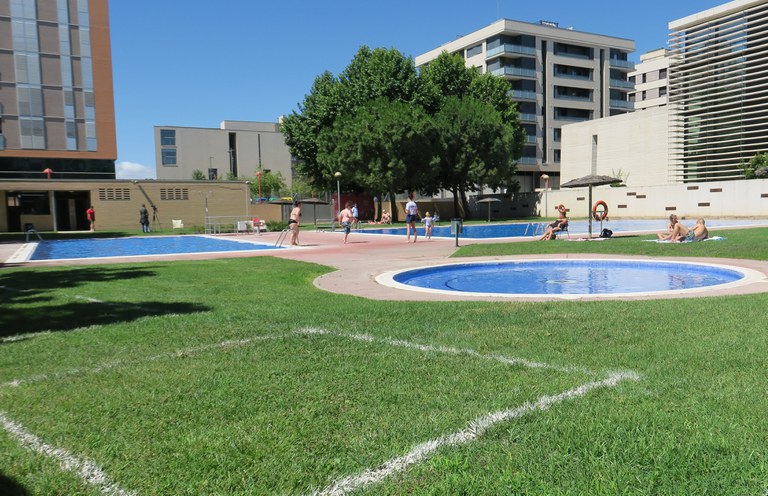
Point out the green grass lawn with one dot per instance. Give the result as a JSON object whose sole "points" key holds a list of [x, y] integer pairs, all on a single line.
{"points": [[212, 377]]}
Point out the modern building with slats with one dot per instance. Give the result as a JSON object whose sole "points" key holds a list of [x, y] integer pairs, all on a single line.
{"points": [[718, 90]]}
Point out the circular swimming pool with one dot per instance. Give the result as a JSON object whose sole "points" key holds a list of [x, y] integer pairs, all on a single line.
{"points": [[566, 277]]}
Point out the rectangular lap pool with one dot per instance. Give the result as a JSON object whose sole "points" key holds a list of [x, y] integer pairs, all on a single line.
{"points": [[139, 246], [531, 229]]}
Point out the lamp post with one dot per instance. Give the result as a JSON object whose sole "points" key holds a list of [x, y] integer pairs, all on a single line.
{"points": [[247, 198], [258, 176], [545, 178], [337, 175]]}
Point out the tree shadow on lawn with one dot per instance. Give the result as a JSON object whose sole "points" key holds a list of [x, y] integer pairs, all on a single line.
{"points": [[10, 487], [30, 287]]}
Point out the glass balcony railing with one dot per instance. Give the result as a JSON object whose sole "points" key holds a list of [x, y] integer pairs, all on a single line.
{"points": [[522, 94], [625, 64], [528, 117], [530, 139], [514, 71], [511, 49], [621, 104], [574, 98], [573, 76], [527, 161], [620, 83], [2, 142]]}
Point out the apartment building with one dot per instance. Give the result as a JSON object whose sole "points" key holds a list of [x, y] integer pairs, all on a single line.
{"points": [[718, 90], [650, 78], [556, 75], [235, 149], [57, 117]]}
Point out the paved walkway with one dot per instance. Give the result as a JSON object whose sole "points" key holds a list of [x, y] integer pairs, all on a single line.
{"points": [[360, 261]]}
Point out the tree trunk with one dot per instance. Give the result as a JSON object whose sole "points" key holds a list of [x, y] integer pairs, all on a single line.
{"points": [[464, 203], [393, 206], [455, 192]]}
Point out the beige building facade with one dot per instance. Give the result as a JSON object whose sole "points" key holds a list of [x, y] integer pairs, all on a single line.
{"points": [[650, 78], [235, 149], [633, 146], [60, 205]]}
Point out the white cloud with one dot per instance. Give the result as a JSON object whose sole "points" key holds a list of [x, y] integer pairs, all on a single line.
{"points": [[132, 170]]}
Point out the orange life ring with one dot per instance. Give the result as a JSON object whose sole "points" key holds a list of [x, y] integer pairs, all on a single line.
{"points": [[600, 214]]}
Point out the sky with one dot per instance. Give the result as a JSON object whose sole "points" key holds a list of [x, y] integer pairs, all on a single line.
{"points": [[196, 63]]}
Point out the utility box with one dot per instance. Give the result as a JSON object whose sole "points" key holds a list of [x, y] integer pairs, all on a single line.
{"points": [[456, 226]]}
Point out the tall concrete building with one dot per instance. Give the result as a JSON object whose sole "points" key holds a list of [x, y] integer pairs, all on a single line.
{"points": [[718, 90], [56, 97], [557, 76], [650, 78]]}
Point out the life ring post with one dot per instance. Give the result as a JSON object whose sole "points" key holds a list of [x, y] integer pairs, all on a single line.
{"points": [[600, 213]]}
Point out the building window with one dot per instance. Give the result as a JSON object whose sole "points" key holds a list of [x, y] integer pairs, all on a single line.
{"points": [[475, 50], [663, 91], [662, 74], [167, 137], [557, 156], [168, 156]]}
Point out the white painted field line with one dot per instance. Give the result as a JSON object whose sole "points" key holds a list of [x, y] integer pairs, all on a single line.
{"points": [[86, 469], [446, 350], [474, 430], [119, 363], [309, 331]]}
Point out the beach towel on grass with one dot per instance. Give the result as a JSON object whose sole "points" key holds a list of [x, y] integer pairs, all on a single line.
{"points": [[713, 238]]}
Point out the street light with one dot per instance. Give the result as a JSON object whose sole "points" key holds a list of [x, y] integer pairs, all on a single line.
{"points": [[258, 176], [337, 175], [545, 178], [247, 198]]}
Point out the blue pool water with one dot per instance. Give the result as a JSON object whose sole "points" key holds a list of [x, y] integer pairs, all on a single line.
{"points": [[126, 247], [482, 231], [564, 277]]}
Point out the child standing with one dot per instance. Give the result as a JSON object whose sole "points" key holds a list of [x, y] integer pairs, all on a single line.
{"points": [[428, 226]]}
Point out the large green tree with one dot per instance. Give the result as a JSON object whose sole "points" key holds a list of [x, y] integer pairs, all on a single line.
{"points": [[475, 147], [372, 74], [388, 129], [385, 147]]}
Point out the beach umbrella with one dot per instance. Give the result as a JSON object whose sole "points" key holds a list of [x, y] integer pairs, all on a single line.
{"points": [[589, 182], [489, 201]]}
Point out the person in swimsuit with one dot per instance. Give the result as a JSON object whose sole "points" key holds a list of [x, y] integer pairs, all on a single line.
{"points": [[667, 236], [293, 223], [345, 218], [558, 225]]}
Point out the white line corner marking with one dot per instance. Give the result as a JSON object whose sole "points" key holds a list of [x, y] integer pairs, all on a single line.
{"points": [[88, 471]]}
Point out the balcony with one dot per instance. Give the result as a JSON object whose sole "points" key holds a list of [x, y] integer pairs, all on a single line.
{"points": [[624, 64], [621, 104], [510, 49], [579, 77], [528, 117], [530, 139], [586, 99], [522, 94], [620, 83], [514, 71]]}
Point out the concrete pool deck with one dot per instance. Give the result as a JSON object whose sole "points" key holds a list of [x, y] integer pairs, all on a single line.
{"points": [[360, 261]]}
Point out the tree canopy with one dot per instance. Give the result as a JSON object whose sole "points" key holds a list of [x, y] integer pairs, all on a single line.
{"points": [[388, 128]]}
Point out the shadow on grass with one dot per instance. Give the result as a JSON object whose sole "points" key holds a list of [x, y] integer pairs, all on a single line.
{"points": [[35, 309], [9, 487]]}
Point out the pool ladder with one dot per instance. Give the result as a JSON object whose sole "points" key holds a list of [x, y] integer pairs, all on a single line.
{"points": [[537, 228], [281, 238]]}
